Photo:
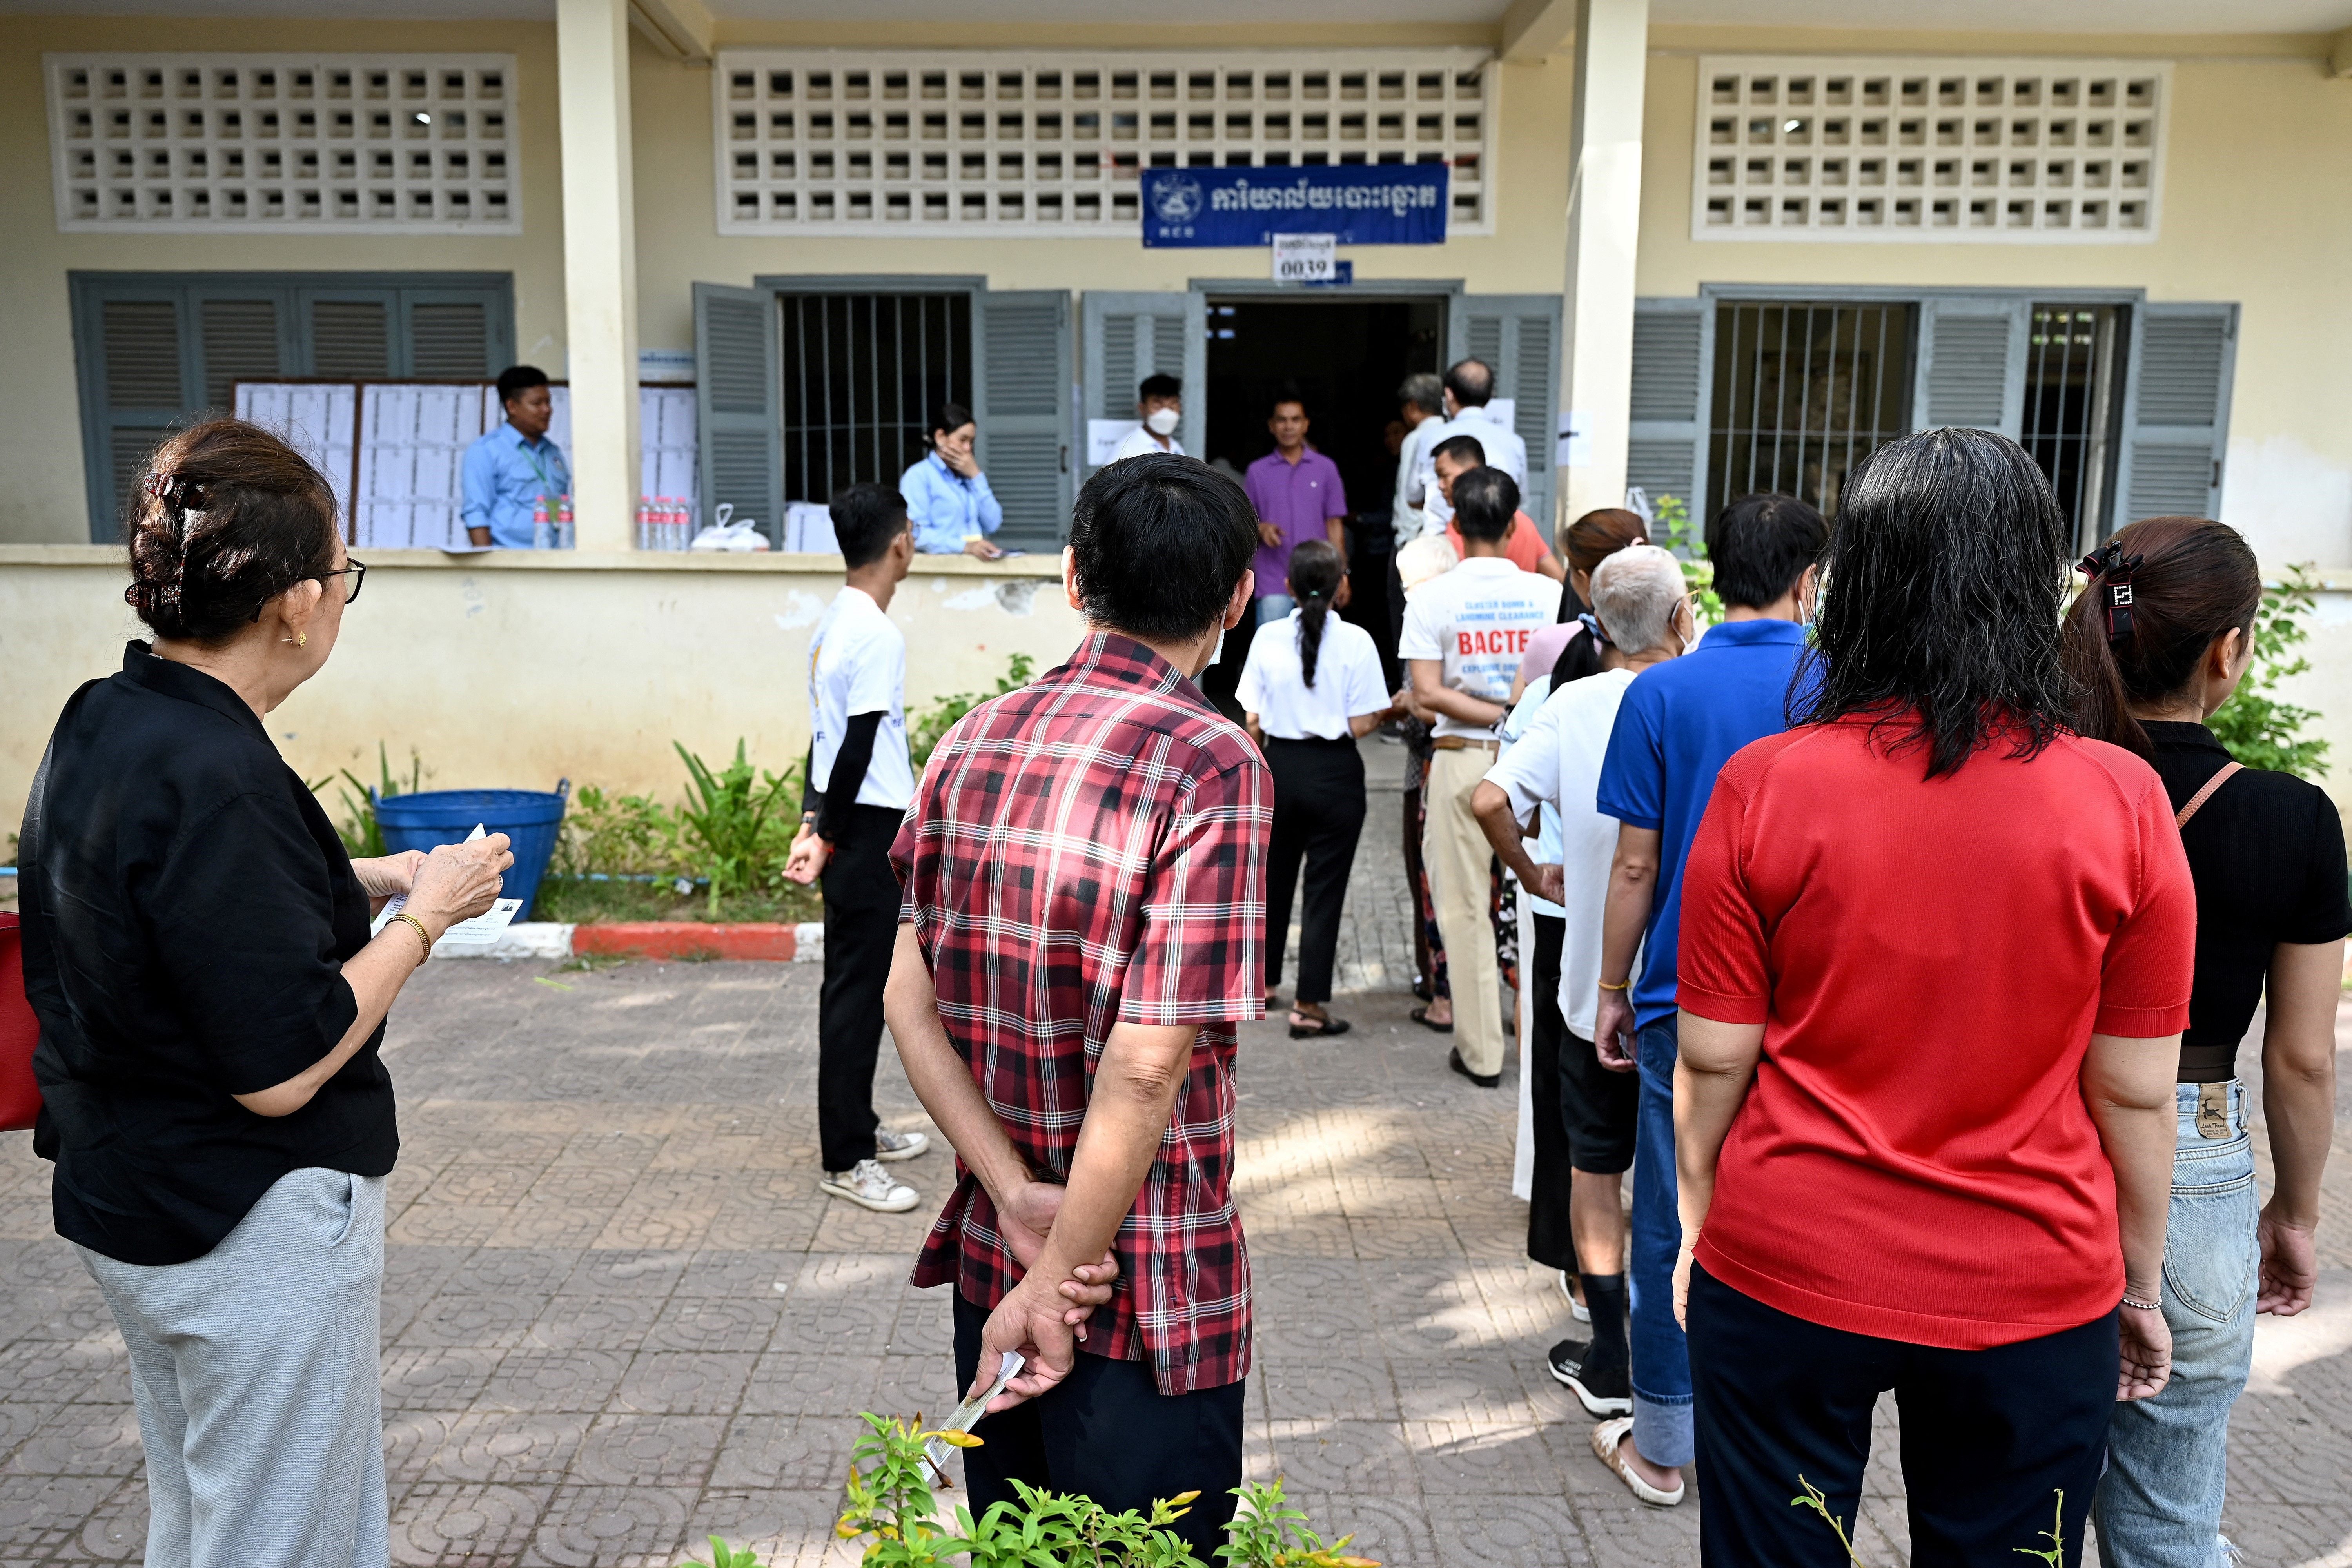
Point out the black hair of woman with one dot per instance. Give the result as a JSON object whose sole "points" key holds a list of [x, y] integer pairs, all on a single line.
{"points": [[2191, 583], [1940, 617], [1314, 573]]}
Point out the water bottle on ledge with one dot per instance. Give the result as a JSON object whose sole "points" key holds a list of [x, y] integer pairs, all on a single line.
{"points": [[542, 530], [564, 538]]}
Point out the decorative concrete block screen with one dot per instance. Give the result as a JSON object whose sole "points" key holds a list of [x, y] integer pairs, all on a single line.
{"points": [[826, 141], [390, 143], [1929, 150]]}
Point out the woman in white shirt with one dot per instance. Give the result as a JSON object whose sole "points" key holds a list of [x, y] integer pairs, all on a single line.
{"points": [[1312, 684]]}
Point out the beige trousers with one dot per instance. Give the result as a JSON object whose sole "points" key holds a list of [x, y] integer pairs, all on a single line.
{"points": [[1456, 851]]}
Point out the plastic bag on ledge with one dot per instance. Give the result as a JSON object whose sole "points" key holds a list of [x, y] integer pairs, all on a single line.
{"points": [[726, 534]]}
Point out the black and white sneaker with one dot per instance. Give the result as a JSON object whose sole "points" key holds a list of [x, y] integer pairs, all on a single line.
{"points": [[892, 1146], [1602, 1391]]}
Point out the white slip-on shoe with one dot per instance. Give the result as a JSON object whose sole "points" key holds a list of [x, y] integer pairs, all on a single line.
{"points": [[870, 1186], [892, 1146], [1576, 1309], [1605, 1439]]}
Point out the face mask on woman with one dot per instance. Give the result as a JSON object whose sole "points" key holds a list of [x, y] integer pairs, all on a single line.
{"points": [[1163, 421]]}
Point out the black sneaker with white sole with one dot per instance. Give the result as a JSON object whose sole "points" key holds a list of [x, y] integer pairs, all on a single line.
{"points": [[1602, 1390]]}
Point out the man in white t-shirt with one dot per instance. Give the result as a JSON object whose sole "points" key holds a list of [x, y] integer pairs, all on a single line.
{"points": [[1469, 387], [859, 785], [1159, 403], [1638, 599], [1463, 634]]}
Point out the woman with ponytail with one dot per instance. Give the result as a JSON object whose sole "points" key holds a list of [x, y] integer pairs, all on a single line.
{"points": [[2157, 641], [1311, 685]]}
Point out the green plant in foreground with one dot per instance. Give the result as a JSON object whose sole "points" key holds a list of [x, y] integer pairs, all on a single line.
{"points": [[1672, 520], [2259, 730], [925, 730], [724, 1556], [733, 816], [2053, 1556]]}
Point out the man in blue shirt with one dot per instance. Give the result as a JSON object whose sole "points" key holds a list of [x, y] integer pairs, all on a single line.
{"points": [[948, 497], [510, 472], [1679, 723]]}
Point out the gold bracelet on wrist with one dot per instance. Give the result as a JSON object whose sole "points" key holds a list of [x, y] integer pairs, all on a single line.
{"points": [[1621, 985], [413, 923]]}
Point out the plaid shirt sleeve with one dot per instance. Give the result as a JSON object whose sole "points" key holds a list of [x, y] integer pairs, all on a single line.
{"points": [[1199, 960]]}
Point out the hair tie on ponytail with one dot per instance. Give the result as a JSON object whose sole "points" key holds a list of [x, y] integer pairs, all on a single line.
{"points": [[2110, 564], [1592, 624]]}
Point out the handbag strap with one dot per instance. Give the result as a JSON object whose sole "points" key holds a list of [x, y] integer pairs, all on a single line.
{"points": [[2221, 776]]}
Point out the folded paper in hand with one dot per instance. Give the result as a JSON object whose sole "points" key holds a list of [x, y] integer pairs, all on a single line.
{"points": [[481, 932]]}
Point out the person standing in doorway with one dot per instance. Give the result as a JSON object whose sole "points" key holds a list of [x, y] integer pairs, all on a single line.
{"points": [[1311, 687], [1085, 880], [1586, 1120], [948, 497], [1469, 387], [1297, 495], [2266, 854], [1464, 636], [514, 470], [1457, 456], [1676, 726], [859, 782], [1159, 403]]}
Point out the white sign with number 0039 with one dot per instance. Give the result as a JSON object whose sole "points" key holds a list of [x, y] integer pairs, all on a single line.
{"points": [[1304, 257]]}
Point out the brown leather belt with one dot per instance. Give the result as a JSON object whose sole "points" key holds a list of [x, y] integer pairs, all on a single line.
{"points": [[1461, 743]]}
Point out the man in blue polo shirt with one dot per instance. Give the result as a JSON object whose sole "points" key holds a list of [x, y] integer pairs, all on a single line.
{"points": [[509, 471], [1679, 723]]}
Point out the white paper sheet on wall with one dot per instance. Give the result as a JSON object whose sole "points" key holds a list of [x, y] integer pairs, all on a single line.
{"points": [[413, 441]]}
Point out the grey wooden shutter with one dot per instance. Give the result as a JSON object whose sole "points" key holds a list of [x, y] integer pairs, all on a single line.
{"points": [[1971, 364], [737, 421], [448, 339], [1128, 336], [1021, 402], [1519, 336], [2177, 412], [140, 378], [348, 335], [239, 339], [1665, 446]]}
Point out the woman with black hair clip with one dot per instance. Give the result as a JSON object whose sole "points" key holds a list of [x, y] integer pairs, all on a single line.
{"points": [[2158, 641], [1311, 685]]}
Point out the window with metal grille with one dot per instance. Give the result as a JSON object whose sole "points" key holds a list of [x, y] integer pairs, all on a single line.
{"points": [[862, 375], [1802, 391], [1048, 142], [2073, 408], [174, 142], [2002, 151]]}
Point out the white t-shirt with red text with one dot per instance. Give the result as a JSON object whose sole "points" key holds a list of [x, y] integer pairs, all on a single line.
{"points": [[1477, 619]]}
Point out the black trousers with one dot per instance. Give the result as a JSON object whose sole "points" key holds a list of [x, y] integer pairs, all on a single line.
{"points": [[1107, 1431], [861, 928], [1551, 1241], [1319, 813], [1990, 1437]]}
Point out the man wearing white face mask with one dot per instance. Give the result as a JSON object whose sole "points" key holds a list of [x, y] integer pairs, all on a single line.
{"points": [[1159, 403]]}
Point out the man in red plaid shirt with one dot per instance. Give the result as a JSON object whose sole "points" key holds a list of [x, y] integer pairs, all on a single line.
{"points": [[1084, 899]]}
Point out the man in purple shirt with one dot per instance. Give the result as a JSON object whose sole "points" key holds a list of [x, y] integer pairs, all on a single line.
{"points": [[1297, 496]]}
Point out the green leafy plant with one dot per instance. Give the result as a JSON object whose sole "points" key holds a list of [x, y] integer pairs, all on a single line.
{"points": [[2260, 730], [925, 730], [1672, 520], [2053, 1556], [361, 834], [624, 834], [1267, 1532], [730, 816], [724, 1556]]}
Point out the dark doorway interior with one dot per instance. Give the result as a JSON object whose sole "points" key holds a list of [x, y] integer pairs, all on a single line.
{"points": [[1346, 356]]}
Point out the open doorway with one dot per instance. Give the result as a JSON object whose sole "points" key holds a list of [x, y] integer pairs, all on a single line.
{"points": [[1345, 355]]}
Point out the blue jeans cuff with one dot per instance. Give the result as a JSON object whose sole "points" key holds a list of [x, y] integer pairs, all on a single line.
{"points": [[1663, 1430]]}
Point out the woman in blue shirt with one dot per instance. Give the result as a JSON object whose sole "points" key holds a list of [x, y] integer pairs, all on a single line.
{"points": [[947, 495]]}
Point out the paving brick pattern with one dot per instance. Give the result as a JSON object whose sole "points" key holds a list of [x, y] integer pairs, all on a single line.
{"points": [[618, 1317]]}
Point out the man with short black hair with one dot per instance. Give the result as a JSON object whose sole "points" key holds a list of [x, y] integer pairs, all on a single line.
{"points": [[1159, 403], [1678, 723], [1082, 929], [515, 469], [856, 786], [1463, 634]]}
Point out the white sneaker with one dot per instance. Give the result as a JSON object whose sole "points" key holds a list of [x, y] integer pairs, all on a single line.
{"points": [[1605, 1439], [1576, 1309], [870, 1186], [889, 1145]]}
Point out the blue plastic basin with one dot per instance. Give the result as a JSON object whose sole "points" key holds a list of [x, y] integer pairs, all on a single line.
{"points": [[528, 817]]}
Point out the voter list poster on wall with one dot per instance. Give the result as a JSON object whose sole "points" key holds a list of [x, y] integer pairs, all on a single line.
{"points": [[1356, 204]]}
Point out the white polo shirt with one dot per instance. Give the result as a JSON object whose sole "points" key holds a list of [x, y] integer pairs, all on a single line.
{"points": [[1139, 442], [1557, 764], [857, 664], [1348, 680], [1477, 619]]}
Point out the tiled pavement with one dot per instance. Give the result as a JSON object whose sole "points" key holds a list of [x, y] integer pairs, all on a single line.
{"points": [[618, 1317]]}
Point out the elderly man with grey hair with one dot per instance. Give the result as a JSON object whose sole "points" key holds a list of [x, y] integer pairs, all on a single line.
{"points": [[1421, 403], [1643, 612]]}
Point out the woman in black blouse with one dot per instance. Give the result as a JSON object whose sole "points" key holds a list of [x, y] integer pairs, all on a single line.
{"points": [[198, 952], [2158, 641]]}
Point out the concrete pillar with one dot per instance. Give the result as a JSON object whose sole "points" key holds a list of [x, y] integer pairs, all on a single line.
{"points": [[600, 267], [1604, 225]]}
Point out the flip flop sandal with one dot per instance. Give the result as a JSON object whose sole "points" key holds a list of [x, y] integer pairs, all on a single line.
{"points": [[1421, 1016], [1605, 1439], [1315, 1026]]}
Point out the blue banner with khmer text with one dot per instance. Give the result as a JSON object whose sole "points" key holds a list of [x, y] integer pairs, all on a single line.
{"points": [[1361, 204]]}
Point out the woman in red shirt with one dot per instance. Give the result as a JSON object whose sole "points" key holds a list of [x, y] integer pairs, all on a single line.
{"points": [[1936, 956]]}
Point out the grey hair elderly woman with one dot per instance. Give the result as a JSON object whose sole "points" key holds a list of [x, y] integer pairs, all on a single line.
{"points": [[211, 1002]]}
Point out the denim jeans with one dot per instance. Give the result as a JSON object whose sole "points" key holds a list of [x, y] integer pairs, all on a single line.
{"points": [[1273, 608], [1662, 1376], [2160, 1505]]}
